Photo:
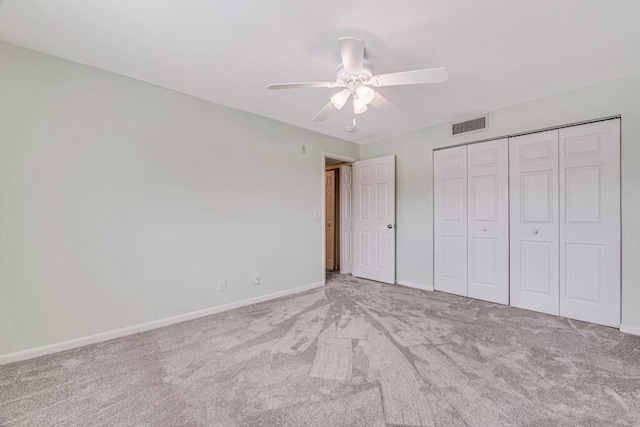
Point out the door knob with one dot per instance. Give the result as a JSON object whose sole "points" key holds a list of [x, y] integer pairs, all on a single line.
{"points": [[535, 231], [484, 228], [389, 226]]}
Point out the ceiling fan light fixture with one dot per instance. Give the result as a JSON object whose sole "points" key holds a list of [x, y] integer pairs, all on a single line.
{"points": [[359, 107], [355, 76], [339, 99], [365, 94]]}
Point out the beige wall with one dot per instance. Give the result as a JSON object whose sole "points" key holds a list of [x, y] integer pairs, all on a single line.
{"points": [[122, 202], [414, 174]]}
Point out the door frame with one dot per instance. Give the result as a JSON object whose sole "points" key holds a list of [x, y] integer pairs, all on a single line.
{"points": [[327, 155]]}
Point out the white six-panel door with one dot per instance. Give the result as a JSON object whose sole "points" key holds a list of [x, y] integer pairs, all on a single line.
{"points": [[450, 220], [488, 221], [533, 199], [346, 219], [590, 222], [374, 212]]}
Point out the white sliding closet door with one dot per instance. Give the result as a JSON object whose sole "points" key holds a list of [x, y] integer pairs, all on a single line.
{"points": [[488, 221], [450, 220], [533, 199], [590, 222]]}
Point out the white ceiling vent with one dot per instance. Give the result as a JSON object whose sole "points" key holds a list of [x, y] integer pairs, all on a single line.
{"points": [[472, 125]]}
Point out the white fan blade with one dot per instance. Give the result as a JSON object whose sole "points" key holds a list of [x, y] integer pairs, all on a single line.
{"points": [[325, 112], [302, 85], [381, 103], [352, 53], [431, 75]]}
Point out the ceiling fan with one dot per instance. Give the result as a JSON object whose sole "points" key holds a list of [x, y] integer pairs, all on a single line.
{"points": [[355, 76]]}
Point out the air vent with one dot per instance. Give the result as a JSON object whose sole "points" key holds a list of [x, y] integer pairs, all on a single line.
{"points": [[472, 125]]}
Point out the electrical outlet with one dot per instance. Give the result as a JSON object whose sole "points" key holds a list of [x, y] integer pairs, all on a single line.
{"points": [[256, 279], [222, 285]]}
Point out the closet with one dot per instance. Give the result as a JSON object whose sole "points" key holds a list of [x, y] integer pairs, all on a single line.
{"points": [[565, 222], [471, 229], [533, 221]]}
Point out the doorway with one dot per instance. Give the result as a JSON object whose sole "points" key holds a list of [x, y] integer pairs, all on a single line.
{"points": [[365, 219], [336, 214]]}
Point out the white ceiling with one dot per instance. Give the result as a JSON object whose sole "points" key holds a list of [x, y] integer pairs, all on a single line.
{"points": [[498, 52]]}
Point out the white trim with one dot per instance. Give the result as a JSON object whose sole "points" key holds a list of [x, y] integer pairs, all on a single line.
{"points": [[135, 329], [335, 156], [630, 330], [323, 253], [415, 285]]}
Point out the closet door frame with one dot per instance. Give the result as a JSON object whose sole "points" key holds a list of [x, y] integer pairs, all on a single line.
{"points": [[533, 232]]}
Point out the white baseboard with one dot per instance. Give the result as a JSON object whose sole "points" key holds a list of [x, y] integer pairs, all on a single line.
{"points": [[415, 285], [630, 330], [135, 329]]}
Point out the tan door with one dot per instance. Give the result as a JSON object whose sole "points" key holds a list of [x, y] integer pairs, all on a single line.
{"points": [[330, 215]]}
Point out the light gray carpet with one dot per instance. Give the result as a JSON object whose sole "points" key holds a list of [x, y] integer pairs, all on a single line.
{"points": [[354, 353]]}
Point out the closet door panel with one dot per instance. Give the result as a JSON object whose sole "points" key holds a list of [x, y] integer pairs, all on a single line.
{"points": [[450, 220], [534, 229], [488, 221], [590, 222]]}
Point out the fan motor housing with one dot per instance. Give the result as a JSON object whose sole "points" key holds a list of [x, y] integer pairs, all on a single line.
{"points": [[343, 77]]}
